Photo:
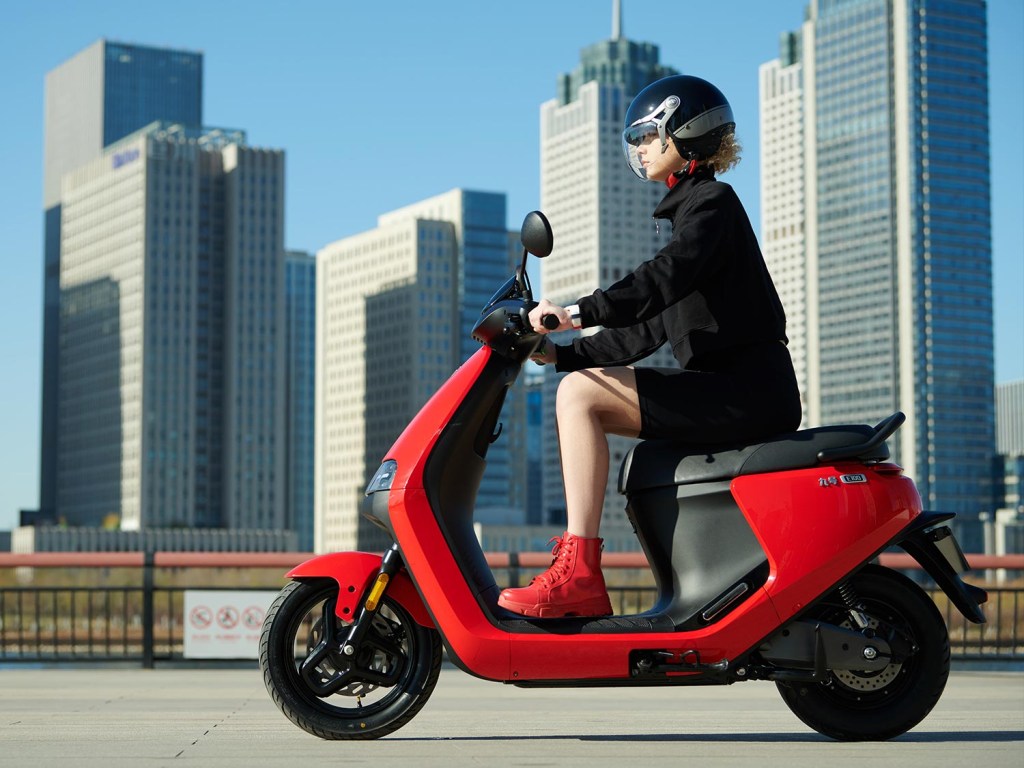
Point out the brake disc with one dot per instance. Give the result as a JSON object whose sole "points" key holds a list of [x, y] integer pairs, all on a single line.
{"points": [[862, 680]]}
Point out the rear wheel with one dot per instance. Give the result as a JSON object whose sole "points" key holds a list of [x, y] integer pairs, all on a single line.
{"points": [[369, 694], [863, 706]]}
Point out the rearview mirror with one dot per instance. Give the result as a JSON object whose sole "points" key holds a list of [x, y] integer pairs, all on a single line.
{"points": [[536, 235]]}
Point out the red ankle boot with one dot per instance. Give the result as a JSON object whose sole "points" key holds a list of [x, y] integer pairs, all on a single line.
{"points": [[572, 586]]}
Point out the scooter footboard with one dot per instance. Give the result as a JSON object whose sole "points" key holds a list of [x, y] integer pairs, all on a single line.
{"points": [[354, 571]]}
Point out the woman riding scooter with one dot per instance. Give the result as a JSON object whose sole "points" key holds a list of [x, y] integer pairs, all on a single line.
{"points": [[707, 293]]}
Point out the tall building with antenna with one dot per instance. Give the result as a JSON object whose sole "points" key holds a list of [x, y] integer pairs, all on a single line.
{"points": [[600, 213]]}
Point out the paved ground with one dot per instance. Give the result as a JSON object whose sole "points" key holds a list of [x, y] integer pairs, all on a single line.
{"points": [[116, 718]]}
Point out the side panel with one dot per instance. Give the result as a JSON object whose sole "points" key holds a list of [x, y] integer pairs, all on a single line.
{"points": [[353, 571], [818, 524], [700, 545], [476, 644]]}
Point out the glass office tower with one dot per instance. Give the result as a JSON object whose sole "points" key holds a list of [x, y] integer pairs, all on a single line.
{"points": [[171, 403], [300, 366], [386, 340], [100, 95], [897, 208]]}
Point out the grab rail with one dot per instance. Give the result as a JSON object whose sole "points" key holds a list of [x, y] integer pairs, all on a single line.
{"points": [[882, 431]]}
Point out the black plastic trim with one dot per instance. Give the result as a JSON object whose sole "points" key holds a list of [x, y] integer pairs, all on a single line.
{"points": [[696, 678], [882, 431], [917, 543], [609, 625]]}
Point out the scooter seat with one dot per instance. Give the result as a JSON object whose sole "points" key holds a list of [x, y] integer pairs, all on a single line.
{"points": [[660, 463]]}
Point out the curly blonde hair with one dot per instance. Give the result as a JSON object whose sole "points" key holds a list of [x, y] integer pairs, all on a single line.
{"points": [[727, 156]]}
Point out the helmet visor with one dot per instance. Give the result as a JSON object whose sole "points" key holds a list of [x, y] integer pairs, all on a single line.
{"points": [[647, 129], [634, 137]]}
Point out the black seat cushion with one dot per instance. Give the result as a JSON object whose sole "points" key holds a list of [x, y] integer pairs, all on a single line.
{"points": [[659, 463]]}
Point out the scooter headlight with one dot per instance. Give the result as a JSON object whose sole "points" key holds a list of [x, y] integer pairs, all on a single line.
{"points": [[383, 477]]}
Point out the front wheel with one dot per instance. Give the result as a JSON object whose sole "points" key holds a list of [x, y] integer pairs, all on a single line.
{"points": [[369, 694], [870, 706]]}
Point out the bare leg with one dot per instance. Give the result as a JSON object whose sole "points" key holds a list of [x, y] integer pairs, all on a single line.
{"points": [[591, 404]]}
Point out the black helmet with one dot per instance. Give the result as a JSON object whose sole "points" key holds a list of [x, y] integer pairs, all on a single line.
{"points": [[690, 110]]}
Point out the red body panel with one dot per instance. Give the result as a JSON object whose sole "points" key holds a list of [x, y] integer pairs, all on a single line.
{"points": [[413, 446], [815, 532], [353, 572]]}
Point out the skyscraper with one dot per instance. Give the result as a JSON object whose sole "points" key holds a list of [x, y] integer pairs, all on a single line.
{"points": [[893, 108], [171, 398], [1009, 475], [484, 250], [785, 216], [386, 340], [599, 211], [533, 449], [97, 97], [300, 387]]}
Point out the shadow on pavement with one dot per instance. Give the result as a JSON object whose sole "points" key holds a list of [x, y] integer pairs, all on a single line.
{"points": [[765, 738]]}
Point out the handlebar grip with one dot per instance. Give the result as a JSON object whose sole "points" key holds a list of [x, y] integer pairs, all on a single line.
{"points": [[551, 322]]}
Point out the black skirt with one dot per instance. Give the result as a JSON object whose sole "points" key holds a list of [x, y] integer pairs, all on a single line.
{"points": [[742, 395]]}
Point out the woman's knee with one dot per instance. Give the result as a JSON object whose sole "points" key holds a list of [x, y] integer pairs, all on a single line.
{"points": [[576, 393], [605, 393]]}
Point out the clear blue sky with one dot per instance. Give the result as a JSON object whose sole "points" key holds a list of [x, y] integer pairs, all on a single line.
{"points": [[382, 104]]}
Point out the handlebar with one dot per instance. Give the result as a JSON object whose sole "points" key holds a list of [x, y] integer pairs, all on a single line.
{"points": [[551, 322]]}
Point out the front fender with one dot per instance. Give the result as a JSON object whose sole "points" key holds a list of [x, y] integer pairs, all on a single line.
{"points": [[354, 571]]}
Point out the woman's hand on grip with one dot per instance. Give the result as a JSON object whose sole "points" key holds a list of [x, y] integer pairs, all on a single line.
{"points": [[544, 308]]}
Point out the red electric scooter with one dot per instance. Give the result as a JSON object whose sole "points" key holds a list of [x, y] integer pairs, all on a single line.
{"points": [[761, 555]]}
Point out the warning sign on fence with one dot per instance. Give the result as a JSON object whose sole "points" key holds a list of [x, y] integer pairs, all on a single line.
{"points": [[224, 625]]}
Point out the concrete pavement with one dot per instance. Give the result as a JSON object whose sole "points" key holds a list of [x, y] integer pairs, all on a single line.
{"points": [[223, 718]]}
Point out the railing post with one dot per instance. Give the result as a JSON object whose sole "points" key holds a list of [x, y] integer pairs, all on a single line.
{"points": [[513, 569], [147, 609]]}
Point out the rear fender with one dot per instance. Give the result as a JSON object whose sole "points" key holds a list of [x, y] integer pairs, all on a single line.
{"points": [[354, 571], [938, 552]]}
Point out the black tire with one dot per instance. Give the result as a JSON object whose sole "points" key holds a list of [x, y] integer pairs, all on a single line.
{"points": [[874, 706], [378, 689]]}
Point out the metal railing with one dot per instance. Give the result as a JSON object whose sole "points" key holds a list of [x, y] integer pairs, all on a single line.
{"points": [[144, 622]]}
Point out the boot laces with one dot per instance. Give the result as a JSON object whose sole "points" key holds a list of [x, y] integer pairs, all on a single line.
{"points": [[559, 563]]}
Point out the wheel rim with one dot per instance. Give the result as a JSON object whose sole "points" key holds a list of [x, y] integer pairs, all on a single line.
{"points": [[363, 684]]}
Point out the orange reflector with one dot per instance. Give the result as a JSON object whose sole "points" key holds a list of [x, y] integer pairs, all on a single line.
{"points": [[376, 592]]}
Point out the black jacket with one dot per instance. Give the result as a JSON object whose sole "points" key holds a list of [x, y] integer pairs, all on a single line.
{"points": [[707, 292]]}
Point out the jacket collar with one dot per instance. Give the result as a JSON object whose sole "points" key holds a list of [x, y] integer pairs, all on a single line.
{"points": [[679, 190]]}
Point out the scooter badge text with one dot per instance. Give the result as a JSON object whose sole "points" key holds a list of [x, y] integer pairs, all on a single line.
{"points": [[826, 482]]}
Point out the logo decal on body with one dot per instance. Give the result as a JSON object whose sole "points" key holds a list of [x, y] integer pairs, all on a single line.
{"points": [[826, 482]]}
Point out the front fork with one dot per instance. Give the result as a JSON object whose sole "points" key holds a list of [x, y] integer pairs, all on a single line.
{"points": [[389, 566], [342, 653]]}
